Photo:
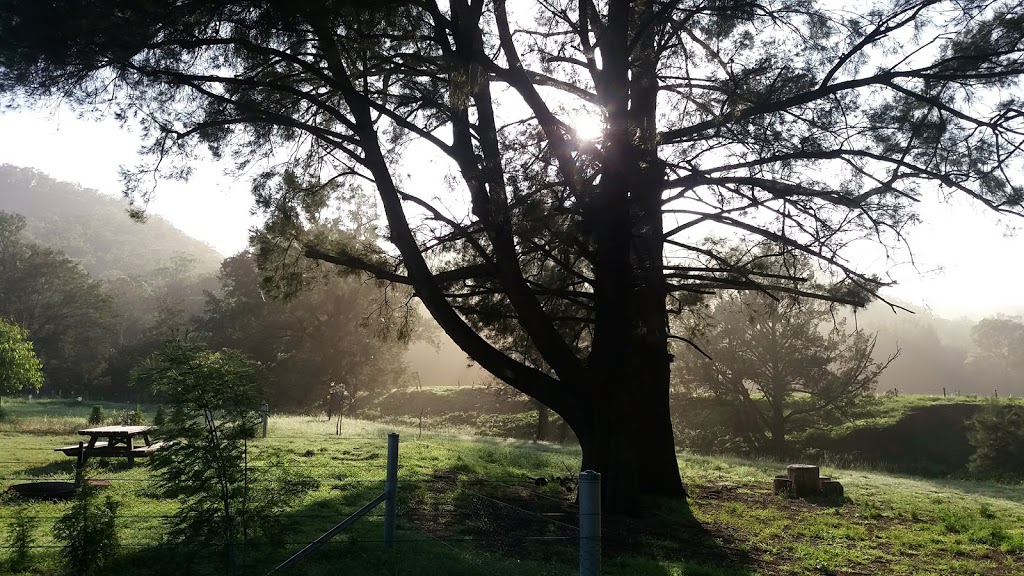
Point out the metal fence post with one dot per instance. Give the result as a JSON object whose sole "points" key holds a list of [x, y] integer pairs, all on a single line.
{"points": [[590, 523], [390, 488], [265, 413]]}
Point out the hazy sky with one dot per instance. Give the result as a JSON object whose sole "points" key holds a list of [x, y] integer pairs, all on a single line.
{"points": [[968, 261]]}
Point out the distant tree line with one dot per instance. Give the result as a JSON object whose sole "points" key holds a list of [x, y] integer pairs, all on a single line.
{"points": [[90, 333]]}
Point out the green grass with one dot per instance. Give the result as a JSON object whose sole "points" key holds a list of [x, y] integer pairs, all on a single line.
{"points": [[887, 410], [59, 416], [450, 524]]}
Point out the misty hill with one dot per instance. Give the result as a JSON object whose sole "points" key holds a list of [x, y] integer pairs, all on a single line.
{"points": [[94, 228]]}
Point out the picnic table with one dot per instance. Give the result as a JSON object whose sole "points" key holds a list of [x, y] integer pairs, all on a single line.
{"points": [[115, 441]]}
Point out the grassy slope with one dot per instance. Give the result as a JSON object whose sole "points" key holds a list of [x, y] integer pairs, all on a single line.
{"points": [[450, 523], [887, 410]]}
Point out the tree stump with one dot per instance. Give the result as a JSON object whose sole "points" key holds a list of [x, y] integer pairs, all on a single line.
{"points": [[804, 478], [822, 480], [832, 489], [782, 485]]}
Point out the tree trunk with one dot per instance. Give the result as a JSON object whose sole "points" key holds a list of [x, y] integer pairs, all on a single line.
{"points": [[627, 437], [623, 421], [542, 422], [778, 446]]}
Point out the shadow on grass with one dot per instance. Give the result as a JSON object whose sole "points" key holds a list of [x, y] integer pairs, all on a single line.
{"points": [[665, 538], [65, 467], [462, 527]]}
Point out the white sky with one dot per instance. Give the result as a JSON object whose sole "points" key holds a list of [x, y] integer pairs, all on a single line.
{"points": [[968, 260]]}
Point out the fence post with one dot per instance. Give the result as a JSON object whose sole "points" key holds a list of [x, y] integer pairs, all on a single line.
{"points": [[265, 414], [590, 523], [80, 465], [390, 487]]}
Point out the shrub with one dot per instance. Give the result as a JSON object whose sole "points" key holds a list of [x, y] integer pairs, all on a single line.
{"points": [[89, 533], [97, 416], [997, 435], [225, 504], [522, 425], [135, 417], [160, 418], [19, 533], [5, 416]]}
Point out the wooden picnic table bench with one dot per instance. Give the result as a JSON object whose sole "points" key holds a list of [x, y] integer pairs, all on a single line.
{"points": [[120, 442]]}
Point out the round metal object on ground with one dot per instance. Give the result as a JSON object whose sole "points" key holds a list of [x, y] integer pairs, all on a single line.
{"points": [[48, 490]]}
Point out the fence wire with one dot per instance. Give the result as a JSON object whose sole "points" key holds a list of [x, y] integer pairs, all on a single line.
{"points": [[504, 514]]}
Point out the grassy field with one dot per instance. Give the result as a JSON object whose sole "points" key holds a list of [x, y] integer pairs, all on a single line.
{"points": [[468, 506]]}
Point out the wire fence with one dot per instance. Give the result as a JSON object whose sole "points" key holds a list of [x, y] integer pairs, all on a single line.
{"points": [[517, 517]]}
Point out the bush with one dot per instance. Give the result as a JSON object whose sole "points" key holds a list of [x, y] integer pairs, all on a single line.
{"points": [[997, 435], [5, 416], [160, 418], [97, 416], [224, 503], [20, 537], [135, 417], [522, 425], [89, 533]]}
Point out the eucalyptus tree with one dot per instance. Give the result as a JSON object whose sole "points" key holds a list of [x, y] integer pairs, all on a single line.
{"points": [[802, 123]]}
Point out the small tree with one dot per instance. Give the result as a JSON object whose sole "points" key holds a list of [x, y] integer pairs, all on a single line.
{"points": [[20, 536], [997, 435], [787, 363], [216, 398], [89, 533], [97, 416], [19, 366]]}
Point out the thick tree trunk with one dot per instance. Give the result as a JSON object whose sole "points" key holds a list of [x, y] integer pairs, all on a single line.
{"points": [[627, 437], [623, 424], [543, 422]]}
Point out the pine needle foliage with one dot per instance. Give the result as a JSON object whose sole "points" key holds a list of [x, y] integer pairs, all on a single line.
{"points": [[88, 531], [224, 504]]}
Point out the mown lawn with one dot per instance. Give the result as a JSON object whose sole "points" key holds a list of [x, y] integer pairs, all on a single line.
{"points": [[469, 506]]}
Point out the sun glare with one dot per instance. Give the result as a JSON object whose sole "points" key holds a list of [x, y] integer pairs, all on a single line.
{"points": [[589, 125]]}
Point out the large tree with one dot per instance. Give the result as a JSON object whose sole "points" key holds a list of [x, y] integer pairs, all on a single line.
{"points": [[803, 123], [998, 355], [786, 364], [333, 332]]}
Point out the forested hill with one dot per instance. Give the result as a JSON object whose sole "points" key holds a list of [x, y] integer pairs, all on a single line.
{"points": [[94, 228]]}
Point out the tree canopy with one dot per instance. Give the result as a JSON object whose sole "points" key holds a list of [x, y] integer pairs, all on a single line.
{"points": [[786, 364], [337, 331], [802, 124], [65, 311], [998, 354], [19, 366]]}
